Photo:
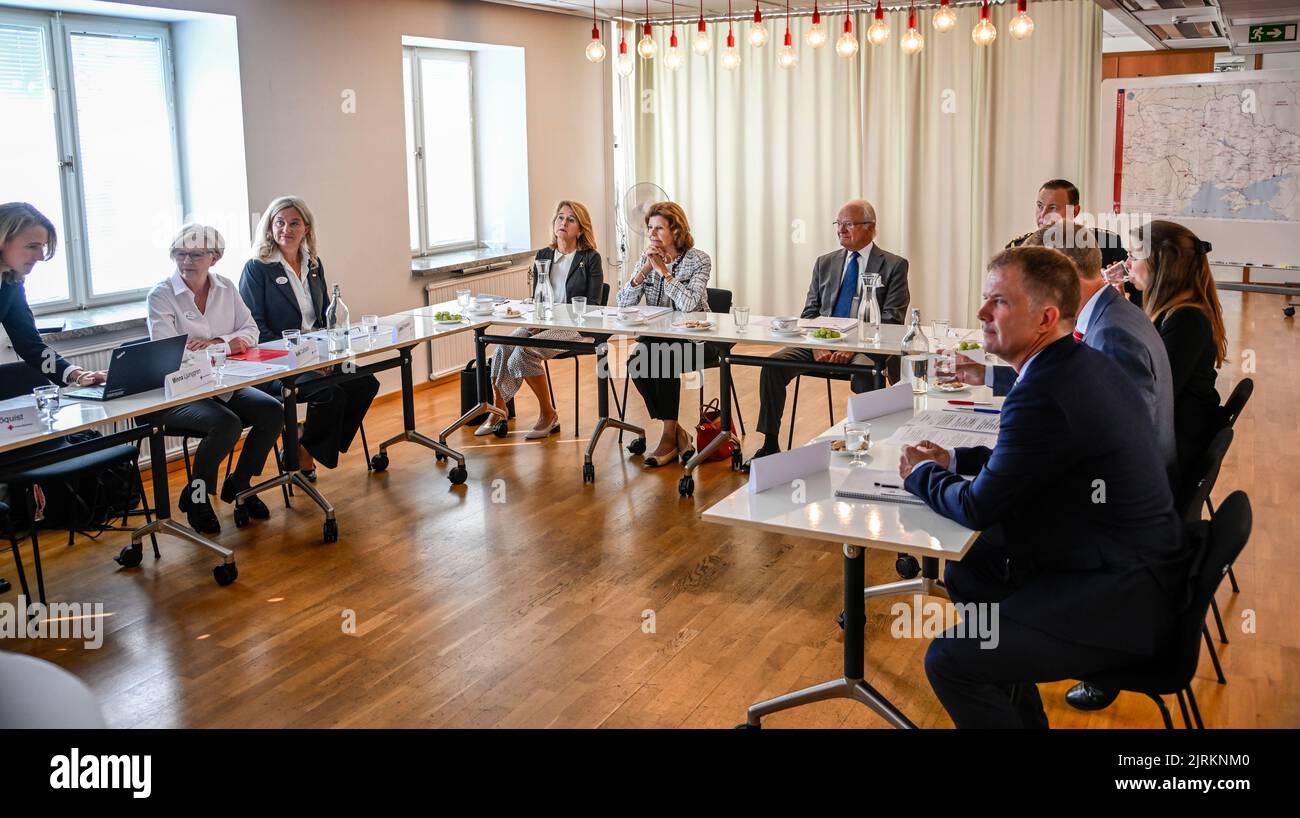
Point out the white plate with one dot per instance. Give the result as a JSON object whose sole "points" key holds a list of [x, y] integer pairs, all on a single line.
{"points": [[682, 326], [446, 322], [504, 314], [936, 390], [843, 337], [785, 333]]}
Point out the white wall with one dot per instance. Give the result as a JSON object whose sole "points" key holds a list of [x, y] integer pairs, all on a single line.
{"points": [[297, 58]]}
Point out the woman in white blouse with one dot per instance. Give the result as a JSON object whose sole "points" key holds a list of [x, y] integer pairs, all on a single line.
{"points": [[575, 271], [672, 272], [207, 307]]}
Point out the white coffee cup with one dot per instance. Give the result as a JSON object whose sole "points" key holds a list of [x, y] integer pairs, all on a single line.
{"points": [[785, 323]]}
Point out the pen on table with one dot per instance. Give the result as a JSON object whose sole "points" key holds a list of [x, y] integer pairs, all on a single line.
{"points": [[976, 409], [969, 403], [887, 486]]}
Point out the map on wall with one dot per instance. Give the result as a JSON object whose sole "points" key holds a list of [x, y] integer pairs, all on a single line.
{"points": [[1209, 151]]}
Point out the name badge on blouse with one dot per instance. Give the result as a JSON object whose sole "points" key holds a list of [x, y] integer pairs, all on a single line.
{"points": [[191, 316], [282, 280]]}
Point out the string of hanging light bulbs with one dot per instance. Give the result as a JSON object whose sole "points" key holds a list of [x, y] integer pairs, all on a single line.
{"points": [[912, 42]]}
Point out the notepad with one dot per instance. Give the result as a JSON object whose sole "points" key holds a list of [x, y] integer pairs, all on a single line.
{"points": [[861, 485]]}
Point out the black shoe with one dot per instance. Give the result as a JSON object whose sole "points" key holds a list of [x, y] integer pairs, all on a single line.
{"points": [[201, 516], [763, 452], [1084, 696], [252, 504], [4, 585]]}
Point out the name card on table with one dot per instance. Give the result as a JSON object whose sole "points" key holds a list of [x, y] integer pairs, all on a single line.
{"points": [[18, 417], [403, 330], [304, 353], [190, 379], [779, 469], [880, 402]]}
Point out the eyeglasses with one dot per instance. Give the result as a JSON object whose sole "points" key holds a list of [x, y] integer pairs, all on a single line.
{"points": [[848, 225], [181, 255]]}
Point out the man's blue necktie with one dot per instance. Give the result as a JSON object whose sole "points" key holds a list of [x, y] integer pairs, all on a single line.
{"points": [[848, 289]]}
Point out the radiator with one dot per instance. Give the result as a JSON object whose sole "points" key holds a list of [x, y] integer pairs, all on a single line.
{"points": [[450, 354]]}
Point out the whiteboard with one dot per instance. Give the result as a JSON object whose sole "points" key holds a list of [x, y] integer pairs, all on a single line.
{"points": [[1255, 242]]}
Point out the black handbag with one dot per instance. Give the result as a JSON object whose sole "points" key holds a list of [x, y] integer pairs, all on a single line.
{"points": [[469, 394]]}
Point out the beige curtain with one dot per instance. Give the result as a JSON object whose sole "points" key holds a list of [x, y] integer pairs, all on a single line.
{"points": [[950, 145]]}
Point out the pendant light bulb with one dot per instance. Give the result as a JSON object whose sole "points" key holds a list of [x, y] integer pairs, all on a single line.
{"points": [[912, 41], [815, 36], [945, 19], [1022, 25], [878, 31], [984, 32], [758, 31], [701, 44]]}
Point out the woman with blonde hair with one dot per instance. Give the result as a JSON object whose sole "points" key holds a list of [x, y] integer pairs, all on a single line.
{"points": [[671, 272], [1171, 267], [575, 271], [284, 288], [206, 306]]}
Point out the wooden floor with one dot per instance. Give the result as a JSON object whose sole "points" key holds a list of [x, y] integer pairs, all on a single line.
{"points": [[525, 598]]}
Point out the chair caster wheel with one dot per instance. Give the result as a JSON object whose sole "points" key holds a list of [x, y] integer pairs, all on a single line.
{"points": [[441, 458], [907, 566], [5, 587], [500, 429], [457, 475], [241, 517], [737, 460], [130, 557], [687, 455], [588, 473], [225, 574], [839, 620], [331, 531], [1289, 312], [748, 726], [637, 446], [686, 486], [379, 462]]}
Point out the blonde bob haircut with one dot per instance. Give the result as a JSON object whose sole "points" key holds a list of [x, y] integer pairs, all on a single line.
{"points": [[586, 233], [195, 236], [15, 217], [266, 246]]}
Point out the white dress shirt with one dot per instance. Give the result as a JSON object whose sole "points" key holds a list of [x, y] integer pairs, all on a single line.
{"points": [[1085, 315], [173, 311], [298, 283], [560, 266]]}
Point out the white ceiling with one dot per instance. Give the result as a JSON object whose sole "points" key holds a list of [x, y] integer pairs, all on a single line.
{"points": [[1177, 24], [662, 9]]}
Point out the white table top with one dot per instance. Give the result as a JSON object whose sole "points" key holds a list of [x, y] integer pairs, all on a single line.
{"points": [[901, 527], [76, 415], [758, 330]]}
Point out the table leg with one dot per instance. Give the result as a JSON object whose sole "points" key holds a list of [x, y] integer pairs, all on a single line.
{"points": [[226, 572], [851, 686], [484, 390], [409, 434], [604, 421], [291, 475]]}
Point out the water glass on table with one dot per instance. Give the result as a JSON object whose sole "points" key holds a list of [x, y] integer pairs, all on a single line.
{"points": [[578, 309], [857, 440], [370, 323], [741, 317], [463, 299], [217, 357], [941, 328], [47, 402]]}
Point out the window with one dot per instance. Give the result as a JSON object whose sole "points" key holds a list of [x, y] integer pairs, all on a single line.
{"points": [[91, 142], [441, 167]]}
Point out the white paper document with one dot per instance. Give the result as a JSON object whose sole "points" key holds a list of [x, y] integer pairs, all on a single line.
{"points": [[781, 468], [251, 369], [646, 312], [947, 438], [983, 422], [829, 322]]}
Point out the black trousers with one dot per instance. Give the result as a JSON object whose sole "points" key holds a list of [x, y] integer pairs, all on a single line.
{"points": [[334, 413], [655, 368], [773, 382], [997, 687], [219, 424]]}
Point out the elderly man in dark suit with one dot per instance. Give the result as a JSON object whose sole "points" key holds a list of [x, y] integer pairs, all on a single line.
{"points": [[1080, 547], [836, 290]]}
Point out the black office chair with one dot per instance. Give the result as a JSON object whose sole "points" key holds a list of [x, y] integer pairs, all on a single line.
{"points": [[241, 516], [1231, 410], [709, 353], [20, 379], [576, 355], [13, 544], [1217, 545], [830, 401], [1195, 494]]}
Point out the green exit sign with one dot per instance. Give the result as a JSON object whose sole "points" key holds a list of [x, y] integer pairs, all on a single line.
{"points": [[1273, 33]]}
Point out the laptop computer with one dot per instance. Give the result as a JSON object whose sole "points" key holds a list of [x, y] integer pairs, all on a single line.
{"points": [[136, 367]]}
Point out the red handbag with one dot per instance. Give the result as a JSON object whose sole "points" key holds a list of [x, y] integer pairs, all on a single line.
{"points": [[709, 427]]}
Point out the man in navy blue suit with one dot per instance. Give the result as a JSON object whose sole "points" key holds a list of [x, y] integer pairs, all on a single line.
{"points": [[1080, 546]]}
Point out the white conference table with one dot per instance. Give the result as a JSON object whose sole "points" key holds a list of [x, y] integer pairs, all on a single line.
{"points": [[723, 330], [856, 525]]}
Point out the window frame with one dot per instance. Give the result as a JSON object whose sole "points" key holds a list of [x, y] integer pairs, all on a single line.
{"points": [[415, 54], [57, 30]]}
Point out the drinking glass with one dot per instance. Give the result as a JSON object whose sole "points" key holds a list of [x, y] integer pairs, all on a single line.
{"points": [[941, 327], [463, 299], [292, 337], [217, 356], [741, 316], [371, 325], [47, 402], [578, 308], [857, 440]]}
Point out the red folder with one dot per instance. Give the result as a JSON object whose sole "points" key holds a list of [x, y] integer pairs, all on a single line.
{"points": [[257, 354]]}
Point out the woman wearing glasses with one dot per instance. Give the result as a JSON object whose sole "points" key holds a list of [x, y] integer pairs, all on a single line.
{"points": [[575, 271], [1171, 267], [284, 287], [672, 272], [206, 306]]}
